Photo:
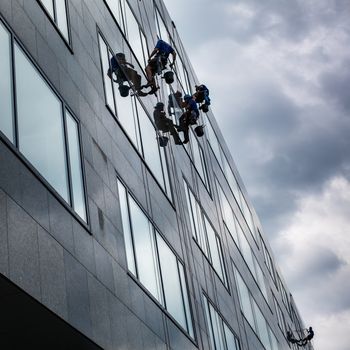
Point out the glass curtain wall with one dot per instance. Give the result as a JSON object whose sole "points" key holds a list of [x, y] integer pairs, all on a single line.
{"points": [[153, 262]]}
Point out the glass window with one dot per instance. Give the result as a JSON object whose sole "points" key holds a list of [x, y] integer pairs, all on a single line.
{"points": [[228, 216], [186, 299], [105, 61], [262, 327], [198, 159], [114, 6], [260, 278], [162, 32], [171, 282], [280, 317], [152, 261], [6, 99], [145, 254], [75, 166], [136, 38], [205, 235], [123, 202], [150, 146], [58, 11], [40, 125], [244, 299], [213, 141], [221, 337], [182, 74], [135, 122], [274, 342], [231, 340], [196, 220], [215, 251]]}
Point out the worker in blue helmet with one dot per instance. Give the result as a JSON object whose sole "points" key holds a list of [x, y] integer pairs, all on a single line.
{"points": [[157, 62], [189, 117]]}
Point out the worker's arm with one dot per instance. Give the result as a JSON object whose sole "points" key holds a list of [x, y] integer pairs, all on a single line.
{"points": [[174, 58], [153, 53]]}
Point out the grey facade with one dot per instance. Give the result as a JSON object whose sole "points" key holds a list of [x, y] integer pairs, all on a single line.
{"points": [[107, 240]]}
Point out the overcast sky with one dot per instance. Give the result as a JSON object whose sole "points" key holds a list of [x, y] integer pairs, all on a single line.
{"points": [[279, 76]]}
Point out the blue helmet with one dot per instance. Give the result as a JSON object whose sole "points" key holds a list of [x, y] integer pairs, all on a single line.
{"points": [[187, 97]]}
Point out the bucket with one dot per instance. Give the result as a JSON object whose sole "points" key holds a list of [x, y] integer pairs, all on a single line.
{"points": [[124, 90], [169, 77], [163, 141], [199, 130]]}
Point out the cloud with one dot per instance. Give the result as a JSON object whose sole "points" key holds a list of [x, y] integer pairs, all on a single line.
{"points": [[314, 256], [278, 73]]}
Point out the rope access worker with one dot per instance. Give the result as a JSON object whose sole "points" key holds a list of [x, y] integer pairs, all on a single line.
{"points": [[189, 117], [165, 124], [124, 72], [202, 95], [157, 62]]}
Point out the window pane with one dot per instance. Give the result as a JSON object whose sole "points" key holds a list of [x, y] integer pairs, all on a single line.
{"points": [[75, 167], [107, 81], [244, 299], [246, 250], [171, 282], [134, 35], [6, 106], [114, 6], [40, 125], [62, 20], [145, 252], [216, 320], [186, 299], [162, 31], [151, 151], [213, 141], [262, 327], [166, 172], [209, 323], [260, 279], [197, 158], [228, 215], [215, 250], [230, 339], [49, 7], [123, 202], [274, 342]]}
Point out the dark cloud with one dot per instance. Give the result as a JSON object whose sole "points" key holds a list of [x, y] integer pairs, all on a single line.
{"points": [[279, 74]]}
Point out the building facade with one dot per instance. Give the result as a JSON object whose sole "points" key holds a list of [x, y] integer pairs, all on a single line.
{"points": [[108, 240]]}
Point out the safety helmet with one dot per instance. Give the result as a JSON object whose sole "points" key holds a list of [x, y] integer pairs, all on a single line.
{"points": [[159, 105], [187, 97]]}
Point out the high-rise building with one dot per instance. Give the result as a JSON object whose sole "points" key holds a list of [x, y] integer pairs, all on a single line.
{"points": [[108, 240]]}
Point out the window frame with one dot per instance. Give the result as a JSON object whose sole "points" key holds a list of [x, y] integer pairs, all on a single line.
{"points": [[53, 20], [163, 155], [160, 303], [14, 146]]}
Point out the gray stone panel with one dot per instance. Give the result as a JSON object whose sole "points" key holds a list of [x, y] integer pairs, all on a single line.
{"points": [[52, 273], [101, 326], [77, 295], [61, 226], [23, 250], [104, 268], [4, 256]]}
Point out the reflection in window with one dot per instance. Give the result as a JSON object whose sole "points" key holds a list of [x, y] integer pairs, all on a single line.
{"points": [[152, 261], [162, 32], [40, 125], [204, 234], [114, 6], [58, 11], [6, 101], [198, 158], [48, 135], [220, 335], [253, 314], [134, 119], [78, 197], [135, 36]]}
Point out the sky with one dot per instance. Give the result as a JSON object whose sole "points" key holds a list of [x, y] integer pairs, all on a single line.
{"points": [[279, 78]]}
